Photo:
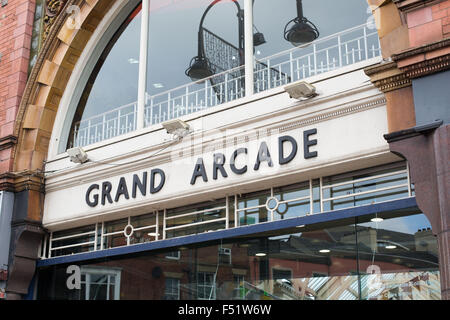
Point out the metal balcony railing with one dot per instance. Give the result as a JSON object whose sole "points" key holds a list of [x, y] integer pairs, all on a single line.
{"points": [[327, 54]]}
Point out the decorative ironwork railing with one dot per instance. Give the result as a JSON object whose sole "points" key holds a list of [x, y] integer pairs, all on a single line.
{"points": [[315, 196], [323, 55]]}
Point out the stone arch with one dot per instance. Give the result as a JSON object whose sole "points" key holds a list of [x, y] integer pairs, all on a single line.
{"points": [[45, 88], [48, 80]]}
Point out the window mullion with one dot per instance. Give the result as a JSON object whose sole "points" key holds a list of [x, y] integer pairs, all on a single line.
{"points": [[248, 36], [143, 61]]}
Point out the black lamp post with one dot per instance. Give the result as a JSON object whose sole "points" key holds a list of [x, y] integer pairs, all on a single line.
{"points": [[200, 66], [302, 31]]}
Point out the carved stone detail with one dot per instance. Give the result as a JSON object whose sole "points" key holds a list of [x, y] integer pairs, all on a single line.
{"points": [[52, 9], [387, 77], [427, 67]]}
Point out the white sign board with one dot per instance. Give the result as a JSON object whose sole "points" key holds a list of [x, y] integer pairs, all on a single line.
{"points": [[193, 175]]}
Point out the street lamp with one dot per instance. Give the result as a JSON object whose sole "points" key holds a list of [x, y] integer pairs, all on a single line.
{"points": [[302, 31], [200, 66]]}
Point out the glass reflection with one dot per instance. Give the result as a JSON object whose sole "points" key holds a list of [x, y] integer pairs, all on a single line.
{"points": [[207, 38], [399, 259], [347, 262], [112, 88]]}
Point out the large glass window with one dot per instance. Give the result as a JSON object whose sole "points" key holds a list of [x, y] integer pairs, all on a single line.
{"points": [[196, 57], [109, 100], [398, 259], [393, 258], [196, 40], [100, 284]]}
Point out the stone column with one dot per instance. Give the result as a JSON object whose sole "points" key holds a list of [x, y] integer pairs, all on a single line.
{"points": [[427, 150]]}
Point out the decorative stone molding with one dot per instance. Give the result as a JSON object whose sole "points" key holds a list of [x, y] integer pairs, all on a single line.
{"points": [[387, 77], [424, 60], [18, 182], [410, 64], [52, 9], [422, 50], [428, 67], [7, 182], [8, 142], [408, 5], [34, 122]]}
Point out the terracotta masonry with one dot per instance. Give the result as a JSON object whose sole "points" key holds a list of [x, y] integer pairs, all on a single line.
{"points": [[31, 131], [425, 147], [16, 25]]}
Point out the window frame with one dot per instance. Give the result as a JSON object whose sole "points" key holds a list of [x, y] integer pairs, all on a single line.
{"points": [[88, 271], [177, 286]]}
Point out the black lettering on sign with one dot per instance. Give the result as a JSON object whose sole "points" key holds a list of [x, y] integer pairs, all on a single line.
{"points": [[233, 161], [122, 189], [309, 143], [153, 174], [157, 181], [94, 203], [219, 162], [141, 184], [199, 170], [263, 155], [106, 192], [281, 142]]}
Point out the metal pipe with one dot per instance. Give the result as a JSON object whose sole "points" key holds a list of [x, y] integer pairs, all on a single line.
{"points": [[300, 9], [143, 61]]}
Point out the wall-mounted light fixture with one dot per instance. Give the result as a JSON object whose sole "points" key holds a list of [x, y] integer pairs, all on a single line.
{"points": [[177, 127], [77, 155], [301, 90]]}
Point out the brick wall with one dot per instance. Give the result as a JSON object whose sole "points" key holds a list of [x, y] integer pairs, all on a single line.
{"points": [[429, 24], [16, 25]]}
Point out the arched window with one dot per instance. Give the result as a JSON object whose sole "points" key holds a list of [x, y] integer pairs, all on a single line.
{"points": [[196, 57], [111, 89]]}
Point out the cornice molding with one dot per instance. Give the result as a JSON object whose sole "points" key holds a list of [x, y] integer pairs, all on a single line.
{"points": [[18, 182], [409, 5], [427, 67], [393, 83], [427, 48], [397, 74], [8, 142], [425, 60], [388, 77]]}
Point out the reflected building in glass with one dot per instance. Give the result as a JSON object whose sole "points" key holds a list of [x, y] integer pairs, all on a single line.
{"points": [[385, 260]]}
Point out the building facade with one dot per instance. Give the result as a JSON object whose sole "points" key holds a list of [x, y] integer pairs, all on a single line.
{"points": [[225, 150]]}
